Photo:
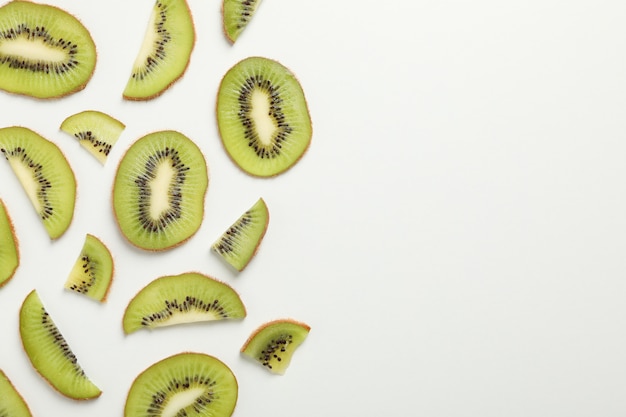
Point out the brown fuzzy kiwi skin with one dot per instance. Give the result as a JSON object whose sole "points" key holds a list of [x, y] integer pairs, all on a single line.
{"points": [[15, 241], [269, 323]]}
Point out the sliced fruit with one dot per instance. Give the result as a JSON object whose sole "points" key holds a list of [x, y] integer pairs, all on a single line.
{"points": [[45, 175], [159, 190], [96, 131], [165, 51], [12, 404], [273, 344], [92, 273], [9, 252], [186, 384], [50, 354], [241, 241], [236, 14]]}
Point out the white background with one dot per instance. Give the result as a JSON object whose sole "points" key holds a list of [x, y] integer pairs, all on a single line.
{"points": [[454, 236]]}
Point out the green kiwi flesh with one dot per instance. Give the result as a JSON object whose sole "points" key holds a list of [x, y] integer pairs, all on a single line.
{"points": [[50, 354], [187, 384], [236, 14], [165, 51], [12, 403], [44, 51], [159, 190], [45, 175], [238, 245], [92, 272], [184, 298], [273, 344], [96, 131], [262, 117], [9, 251]]}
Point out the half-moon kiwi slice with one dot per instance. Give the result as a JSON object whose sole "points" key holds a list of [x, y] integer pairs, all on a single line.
{"points": [[184, 298], [187, 384], [165, 51], [12, 404], [92, 273], [159, 190], [262, 116], [50, 354], [236, 14], [45, 175], [96, 131], [9, 251], [44, 51]]}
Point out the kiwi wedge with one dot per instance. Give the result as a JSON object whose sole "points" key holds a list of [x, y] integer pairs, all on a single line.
{"points": [[165, 51], [236, 14], [12, 403], [45, 52], [9, 251], [238, 245], [92, 273], [273, 344], [96, 131], [262, 117], [184, 298], [159, 190], [50, 354], [186, 384], [45, 175]]}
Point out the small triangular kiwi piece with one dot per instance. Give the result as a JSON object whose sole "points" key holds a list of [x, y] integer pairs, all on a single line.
{"points": [[96, 131], [50, 354], [184, 298], [238, 245], [12, 404], [236, 14], [45, 175], [92, 273], [9, 250]]}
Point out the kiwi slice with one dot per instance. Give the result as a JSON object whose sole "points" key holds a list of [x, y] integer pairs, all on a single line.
{"points": [[159, 189], [50, 354], [184, 298], [165, 51], [44, 51], [241, 241], [236, 14], [12, 403], [273, 344], [186, 384], [96, 131], [9, 251], [92, 273], [45, 175], [262, 116]]}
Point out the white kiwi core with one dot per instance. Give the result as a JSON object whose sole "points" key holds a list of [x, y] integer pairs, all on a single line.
{"points": [[264, 123], [149, 40], [180, 401], [34, 50], [159, 189], [25, 176]]}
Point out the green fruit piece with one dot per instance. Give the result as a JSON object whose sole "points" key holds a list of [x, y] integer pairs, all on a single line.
{"points": [[241, 241], [50, 354], [96, 131], [236, 14], [273, 344], [187, 384], [11, 404], [165, 51], [92, 273], [45, 175], [184, 298], [262, 116], [9, 252], [44, 51], [159, 190]]}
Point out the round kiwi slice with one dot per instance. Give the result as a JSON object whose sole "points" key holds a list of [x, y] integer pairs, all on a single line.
{"points": [[184, 298], [92, 273], [45, 175], [262, 116], [44, 51], [159, 190], [9, 251], [12, 404], [187, 384], [96, 131], [236, 14]]}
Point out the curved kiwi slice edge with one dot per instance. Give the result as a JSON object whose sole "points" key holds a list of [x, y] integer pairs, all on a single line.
{"points": [[93, 270], [9, 249], [96, 131], [236, 14], [12, 404]]}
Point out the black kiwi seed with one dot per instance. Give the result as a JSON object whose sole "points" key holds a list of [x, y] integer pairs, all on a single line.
{"points": [[190, 303], [60, 342], [227, 243], [89, 269]]}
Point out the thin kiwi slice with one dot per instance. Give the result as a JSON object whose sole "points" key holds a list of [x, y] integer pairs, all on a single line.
{"points": [[96, 131], [45, 52], [241, 241], [186, 384], [11, 404], [50, 354], [184, 298], [165, 51], [9, 251], [159, 189], [45, 175], [273, 344], [262, 116], [236, 14], [92, 273]]}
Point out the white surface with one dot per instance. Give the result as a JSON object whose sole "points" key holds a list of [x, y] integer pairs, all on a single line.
{"points": [[454, 236]]}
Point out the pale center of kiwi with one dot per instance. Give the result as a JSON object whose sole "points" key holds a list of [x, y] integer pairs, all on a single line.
{"points": [[181, 400], [264, 123], [159, 189], [33, 50], [149, 39], [25, 176]]}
